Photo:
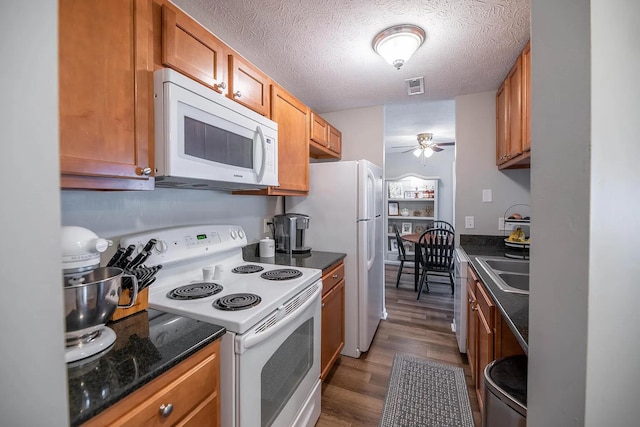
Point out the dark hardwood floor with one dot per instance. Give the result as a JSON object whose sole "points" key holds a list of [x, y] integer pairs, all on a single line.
{"points": [[353, 392]]}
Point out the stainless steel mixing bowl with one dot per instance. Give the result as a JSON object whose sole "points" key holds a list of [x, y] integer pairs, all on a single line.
{"points": [[90, 301]]}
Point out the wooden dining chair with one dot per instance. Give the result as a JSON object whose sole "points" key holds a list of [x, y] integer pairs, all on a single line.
{"points": [[442, 224], [436, 251], [403, 257]]}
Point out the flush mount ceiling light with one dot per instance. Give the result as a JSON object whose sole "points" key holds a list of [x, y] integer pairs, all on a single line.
{"points": [[396, 44]]}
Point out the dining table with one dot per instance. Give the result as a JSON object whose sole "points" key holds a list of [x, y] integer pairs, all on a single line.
{"points": [[414, 238]]}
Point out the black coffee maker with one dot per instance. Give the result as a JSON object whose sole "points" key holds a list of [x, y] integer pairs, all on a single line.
{"points": [[289, 232]]}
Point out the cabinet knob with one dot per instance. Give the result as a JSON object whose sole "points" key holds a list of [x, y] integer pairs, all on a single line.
{"points": [[237, 94], [166, 410], [222, 85], [335, 276], [322, 305], [143, 171]]}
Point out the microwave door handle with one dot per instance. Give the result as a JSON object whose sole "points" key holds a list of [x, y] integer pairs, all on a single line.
{"points": [[264, 153]]}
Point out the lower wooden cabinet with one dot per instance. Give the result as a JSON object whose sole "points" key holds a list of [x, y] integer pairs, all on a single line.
{"points": [[332, 316], [488, 335], [186, 395]]}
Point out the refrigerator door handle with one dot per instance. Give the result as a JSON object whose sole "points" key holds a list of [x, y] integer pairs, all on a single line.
{"points": [[372, 244]]}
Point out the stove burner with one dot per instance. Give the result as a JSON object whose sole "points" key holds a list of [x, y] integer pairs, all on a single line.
{"points": [[246, 269], [281, 274], [237, 302], [194, 291]]}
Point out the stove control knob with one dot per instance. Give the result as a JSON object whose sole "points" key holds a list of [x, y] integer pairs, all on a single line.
{"points": [[161, 246], [241, 233], [233, 234]]}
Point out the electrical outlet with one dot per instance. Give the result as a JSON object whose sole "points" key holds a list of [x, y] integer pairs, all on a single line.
{"points": [[501, 224], [487, 196], [265, 226], [469, 222]]}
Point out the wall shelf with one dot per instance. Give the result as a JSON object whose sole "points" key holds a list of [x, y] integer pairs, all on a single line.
{"points": [[418, 196]]}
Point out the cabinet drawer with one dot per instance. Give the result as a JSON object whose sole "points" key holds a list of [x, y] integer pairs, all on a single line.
{"points": [[191, 388], [485, 304], [333, 277]]}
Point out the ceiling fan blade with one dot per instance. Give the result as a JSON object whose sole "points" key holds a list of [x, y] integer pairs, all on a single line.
{"points": [[409, 150], [405, 146], [436, 148], [447, 143]]}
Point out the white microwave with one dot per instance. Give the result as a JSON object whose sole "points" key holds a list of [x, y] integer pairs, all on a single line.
{"points": [[204, 140]]}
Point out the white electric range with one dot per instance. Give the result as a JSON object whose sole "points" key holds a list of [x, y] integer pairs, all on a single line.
{"points": [[270, 355]]}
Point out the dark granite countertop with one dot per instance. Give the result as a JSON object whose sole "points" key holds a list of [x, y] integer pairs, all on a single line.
{"points": [[513, 307], [143, 350], [314, 259]]}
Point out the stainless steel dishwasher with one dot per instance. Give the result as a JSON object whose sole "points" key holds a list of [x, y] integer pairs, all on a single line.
{"points": [[505, 392]]}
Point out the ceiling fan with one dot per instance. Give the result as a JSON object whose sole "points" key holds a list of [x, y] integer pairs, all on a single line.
{"points": [[425, 147]]}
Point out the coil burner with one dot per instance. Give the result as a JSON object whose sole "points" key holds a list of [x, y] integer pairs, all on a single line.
{"points": [[234, 302], [281, 274], [247, 269], [194, 291]]}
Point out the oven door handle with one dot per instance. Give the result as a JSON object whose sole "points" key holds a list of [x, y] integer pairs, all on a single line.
{"points": [[282, 319]]}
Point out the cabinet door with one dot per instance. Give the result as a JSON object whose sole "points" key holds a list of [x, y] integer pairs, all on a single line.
{"points": [[190, 49], [514, 138], [335, 140], [484, 353], [332, 339], [248, 85], [472, 321], [501, 124], [105, 89], [526, 98], [319, 130], [292, 117]]}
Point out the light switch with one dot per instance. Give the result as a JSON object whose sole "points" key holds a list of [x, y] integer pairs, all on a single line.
{"points": [[469, 222], [487, 196]]}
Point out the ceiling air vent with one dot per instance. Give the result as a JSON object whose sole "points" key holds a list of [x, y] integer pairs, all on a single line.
{"points": [[415, 86]]}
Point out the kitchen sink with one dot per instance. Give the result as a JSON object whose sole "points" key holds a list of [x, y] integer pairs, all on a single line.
{"points": [[509, 275], [518, 281], [508, 265]]}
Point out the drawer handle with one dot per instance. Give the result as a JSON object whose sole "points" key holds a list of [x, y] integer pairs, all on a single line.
{"points": [[237, 94], [335, 276], [166, 410]]}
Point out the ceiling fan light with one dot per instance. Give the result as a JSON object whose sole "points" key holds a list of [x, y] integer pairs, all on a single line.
{"points": [[428, 152], [398, 43], [417, 152]]}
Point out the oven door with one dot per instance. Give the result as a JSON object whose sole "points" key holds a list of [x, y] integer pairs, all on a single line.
{"points": [[278, 364]]}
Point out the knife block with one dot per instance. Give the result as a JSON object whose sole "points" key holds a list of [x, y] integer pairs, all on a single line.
{"points": [[142, 303]]}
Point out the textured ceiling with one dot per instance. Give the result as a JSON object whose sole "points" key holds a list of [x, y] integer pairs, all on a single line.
{"points": [[321, 50]]}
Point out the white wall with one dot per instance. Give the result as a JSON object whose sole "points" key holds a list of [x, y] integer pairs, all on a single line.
{"points": [[583, 339], [116, 213], [440, 165], [362, 133], [558, 303], [613, 348], [476, 168], [33, 390]]}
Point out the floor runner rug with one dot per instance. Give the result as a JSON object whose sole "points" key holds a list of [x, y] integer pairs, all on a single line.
{"points": [[426, 393]]}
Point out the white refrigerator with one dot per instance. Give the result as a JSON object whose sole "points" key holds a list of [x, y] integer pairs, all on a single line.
{"points": [[345, 206]]}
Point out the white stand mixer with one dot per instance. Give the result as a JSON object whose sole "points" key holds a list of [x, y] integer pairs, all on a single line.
{"points": [[91, 294]]}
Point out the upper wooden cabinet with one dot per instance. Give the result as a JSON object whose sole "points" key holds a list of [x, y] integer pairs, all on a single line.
{"points": [[526, 98], [248, 85], [513, 135], [325, 141], [192, 50], [105, 90], [292, 117]]}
